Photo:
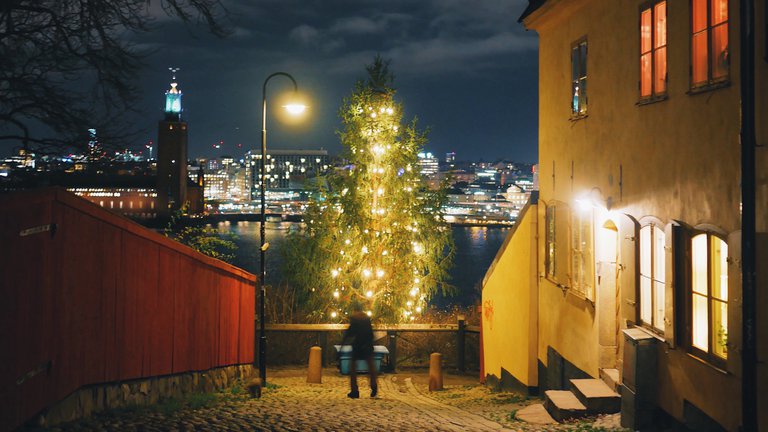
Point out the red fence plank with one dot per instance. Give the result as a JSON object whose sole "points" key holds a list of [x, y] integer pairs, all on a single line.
{"points": [[105, 300]]}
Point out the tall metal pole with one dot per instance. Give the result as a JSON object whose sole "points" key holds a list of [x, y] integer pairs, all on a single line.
{"points": [[263, 271], [748, 228]]}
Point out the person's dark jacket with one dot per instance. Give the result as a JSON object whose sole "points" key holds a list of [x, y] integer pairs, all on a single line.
{"points": [[360, 334]]}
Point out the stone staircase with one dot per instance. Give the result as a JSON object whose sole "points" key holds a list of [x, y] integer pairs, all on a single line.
{"points": [[586, 397]]}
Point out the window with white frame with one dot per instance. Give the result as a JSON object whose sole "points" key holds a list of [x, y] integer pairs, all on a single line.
{"points": [[652, 276], [709, 296], [583, 263]]}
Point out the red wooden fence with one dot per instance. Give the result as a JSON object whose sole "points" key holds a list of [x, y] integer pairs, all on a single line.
{"points": [[87, 296]]}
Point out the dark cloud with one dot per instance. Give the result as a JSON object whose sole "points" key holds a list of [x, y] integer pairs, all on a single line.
{"points": [[466, 68]]}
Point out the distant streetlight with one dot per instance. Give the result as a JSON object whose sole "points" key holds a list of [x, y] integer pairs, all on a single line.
{"points": [[293, 109]]}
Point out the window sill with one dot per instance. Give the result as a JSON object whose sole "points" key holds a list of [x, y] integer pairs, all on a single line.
{"points": [[578, 117], [651, 333], [652, 100], [714, 366], [706, 88]]}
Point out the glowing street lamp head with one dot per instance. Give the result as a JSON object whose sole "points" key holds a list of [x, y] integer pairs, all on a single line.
{"points": [[295, 108]]}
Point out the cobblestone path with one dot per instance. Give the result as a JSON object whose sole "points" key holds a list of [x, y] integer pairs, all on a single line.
{"points": [[290, 404]]}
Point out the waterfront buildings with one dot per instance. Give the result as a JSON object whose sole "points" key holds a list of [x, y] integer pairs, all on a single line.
{"points": [[285, 169], [634, 243]]}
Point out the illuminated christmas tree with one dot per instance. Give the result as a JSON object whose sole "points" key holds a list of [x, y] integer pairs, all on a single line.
{"points": [[375, 233]]}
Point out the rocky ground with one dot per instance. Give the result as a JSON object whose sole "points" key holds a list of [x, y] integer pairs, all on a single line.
{"points": [[289, 403]]}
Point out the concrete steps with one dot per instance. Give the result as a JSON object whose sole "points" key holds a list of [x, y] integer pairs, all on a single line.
{"points": [[586, 397], [563, 405], [596, 396], [611, 378]]}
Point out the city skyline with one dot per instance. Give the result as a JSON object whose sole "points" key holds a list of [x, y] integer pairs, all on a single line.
{"points": [[465, 72]]}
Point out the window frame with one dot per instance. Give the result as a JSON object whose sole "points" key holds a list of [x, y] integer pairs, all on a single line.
{"points": [[550, 242], [711, 83], [582, 284], [708, 356], [655, 225], [583, 102], [653, 96]]}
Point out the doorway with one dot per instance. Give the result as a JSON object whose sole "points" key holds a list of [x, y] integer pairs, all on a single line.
{"points": [[607, 295]]}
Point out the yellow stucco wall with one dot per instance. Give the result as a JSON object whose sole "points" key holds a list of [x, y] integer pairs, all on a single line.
{"points": [[509, 305], [676, 159]]}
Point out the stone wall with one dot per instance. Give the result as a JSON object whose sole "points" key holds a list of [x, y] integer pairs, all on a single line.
{"points": [[140, 392]]}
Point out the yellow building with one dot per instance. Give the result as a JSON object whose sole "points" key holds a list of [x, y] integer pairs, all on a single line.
{"points": [[638, 219]]}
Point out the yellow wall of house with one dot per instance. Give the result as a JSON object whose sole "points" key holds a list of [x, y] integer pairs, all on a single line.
{"points": [[676, 159], [509, 305]]}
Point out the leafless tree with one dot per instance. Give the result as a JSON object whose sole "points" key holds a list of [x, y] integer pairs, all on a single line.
{"points": [[69, 65]]}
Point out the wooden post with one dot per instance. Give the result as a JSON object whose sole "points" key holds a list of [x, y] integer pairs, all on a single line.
{"points": [[435, 372], [392, 339], [460, 338], [315, 370]]}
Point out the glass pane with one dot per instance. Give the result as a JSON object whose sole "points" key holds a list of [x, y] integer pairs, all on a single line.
{"points": [[699, 15], [719, 11], [583, 59], [645, 31], [583, 96], [720, 328], [659, 255], [719, 269], [720, 58], [658, 305], [660, 24], [645, 75], [645, 250], [699, 263], [699, 58], [645, 299], [575, 101], [700, 323], [660, 71], [575, 64]]}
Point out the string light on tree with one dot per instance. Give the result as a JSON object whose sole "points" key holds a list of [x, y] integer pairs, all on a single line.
{"points": [[389, 226]]}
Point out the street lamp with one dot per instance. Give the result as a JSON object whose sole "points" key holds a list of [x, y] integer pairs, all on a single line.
{"points": [[293, 109]]}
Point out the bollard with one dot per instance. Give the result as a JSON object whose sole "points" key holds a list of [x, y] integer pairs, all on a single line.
{"points": [[435, 372], [254, 387], [315, 370]]}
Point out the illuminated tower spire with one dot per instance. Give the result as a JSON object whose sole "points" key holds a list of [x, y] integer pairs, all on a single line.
{"points": [[173, 99]]}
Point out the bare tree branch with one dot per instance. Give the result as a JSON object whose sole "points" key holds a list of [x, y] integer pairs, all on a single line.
{"points": [[67, 65]]}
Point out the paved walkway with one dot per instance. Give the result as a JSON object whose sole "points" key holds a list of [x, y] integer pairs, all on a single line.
{"points": [[290, 404]]}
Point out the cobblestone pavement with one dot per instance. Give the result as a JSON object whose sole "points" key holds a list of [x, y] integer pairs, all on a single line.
{"points": [[290, 404]]}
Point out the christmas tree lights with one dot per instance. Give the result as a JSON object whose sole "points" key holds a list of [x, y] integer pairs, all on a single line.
{"points": [[375, 233]]}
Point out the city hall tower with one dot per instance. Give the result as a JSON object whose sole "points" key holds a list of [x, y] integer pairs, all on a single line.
{"points": [[172, 152]]}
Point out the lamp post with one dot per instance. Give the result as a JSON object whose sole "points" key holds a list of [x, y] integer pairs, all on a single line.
{"points": [[292, 109]]}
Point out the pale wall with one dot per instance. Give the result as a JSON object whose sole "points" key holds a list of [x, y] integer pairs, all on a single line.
{"points": [[509, 304]]}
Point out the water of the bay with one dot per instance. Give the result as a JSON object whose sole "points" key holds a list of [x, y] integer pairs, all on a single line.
{"points": [[475, 249]]}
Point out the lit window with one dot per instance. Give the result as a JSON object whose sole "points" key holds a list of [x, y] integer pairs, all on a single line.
{"points": [[709, 295], [709, 42], [579, 78], [583, 263], [549, 258], [653, 50], [652, 276]]}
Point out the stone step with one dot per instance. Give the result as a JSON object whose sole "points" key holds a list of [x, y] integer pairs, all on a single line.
{"points": [[563, 405], [536, 414], [596, 396], [611, 378]]}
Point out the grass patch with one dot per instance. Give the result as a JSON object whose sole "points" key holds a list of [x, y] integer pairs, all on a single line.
{"points": [[512, 416], [508, 398]]}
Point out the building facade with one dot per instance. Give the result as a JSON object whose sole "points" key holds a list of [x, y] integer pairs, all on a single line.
{"points": [[637, 228], [285, 169]]}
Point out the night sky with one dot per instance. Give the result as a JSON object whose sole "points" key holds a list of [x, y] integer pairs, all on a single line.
{"points": [[466, 69]]}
